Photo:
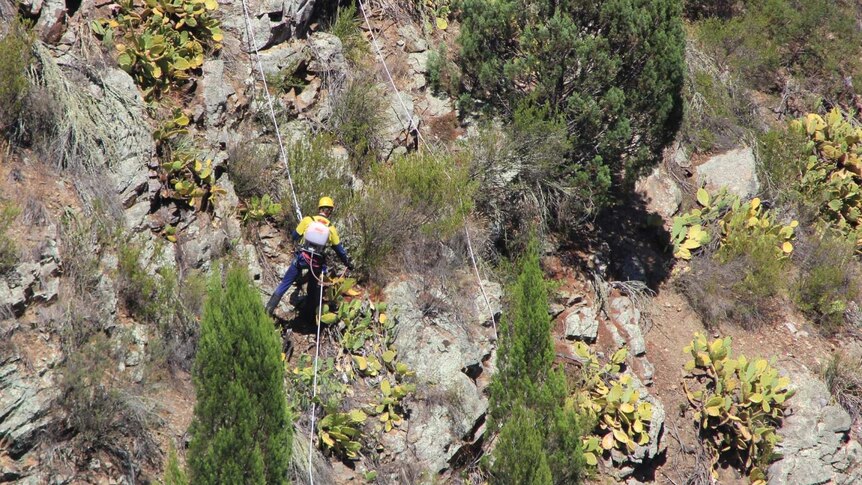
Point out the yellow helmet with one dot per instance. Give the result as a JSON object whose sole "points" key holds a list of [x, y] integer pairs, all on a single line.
{"points": [[325, 202]]}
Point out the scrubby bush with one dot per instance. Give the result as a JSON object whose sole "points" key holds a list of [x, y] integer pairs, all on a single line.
{"points": [[15, 57], [738, 403], [540, 436], [357, 119], [164, 299], [418, 197], [523, 183], [718, 109], [251, 167], [346, 26], [174, 473], [102, 412], [242, 429], [8, 249], [844, 382], [317, 171], [612, 72], [828, 280], [443, 75], [816, 42], [782, 157]]}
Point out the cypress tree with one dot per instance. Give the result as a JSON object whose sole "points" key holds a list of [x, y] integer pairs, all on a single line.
{"points": [[540, 438], [242, 429]]}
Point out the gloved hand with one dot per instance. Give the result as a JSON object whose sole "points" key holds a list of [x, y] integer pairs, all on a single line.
{"points": [[350, 266]]}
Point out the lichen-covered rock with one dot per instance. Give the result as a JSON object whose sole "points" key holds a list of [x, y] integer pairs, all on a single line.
{"points": [[25, 402], [448, 350], [582, 324], [660, 192], [815, 445], [734, 169]]}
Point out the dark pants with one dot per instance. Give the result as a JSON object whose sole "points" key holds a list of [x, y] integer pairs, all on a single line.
{"points": [[300, 263]]}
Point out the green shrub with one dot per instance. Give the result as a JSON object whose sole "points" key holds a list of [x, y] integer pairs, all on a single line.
{"points": [[174, 473], [418, 197], [739, 404], [242, 429], [9, 256], [15, 57], [357, 118], [817, 42], [317, 171], [540, 436], [443, 76], [828, 281], [782, 158], [523, 182], [613, 72], [346, 26]]}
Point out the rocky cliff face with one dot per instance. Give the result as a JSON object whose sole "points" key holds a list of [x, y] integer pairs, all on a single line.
{"points": [[107, 193]]}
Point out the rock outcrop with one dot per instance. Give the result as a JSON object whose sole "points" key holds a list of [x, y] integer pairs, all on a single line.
{"points": [[734, 169], [815, 445], [449, 351]]}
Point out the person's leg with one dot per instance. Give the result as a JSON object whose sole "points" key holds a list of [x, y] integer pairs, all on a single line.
{"points": [[289, 277]]}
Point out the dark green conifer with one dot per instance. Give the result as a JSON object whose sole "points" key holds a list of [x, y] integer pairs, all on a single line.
{"points": [[242, 428], [540, 439], [613, 70]]}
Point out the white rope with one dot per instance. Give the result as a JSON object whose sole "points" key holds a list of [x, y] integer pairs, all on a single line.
{"points": [[386, 69], [479, 280], [314, 384], [253, 43], [410, 128]]}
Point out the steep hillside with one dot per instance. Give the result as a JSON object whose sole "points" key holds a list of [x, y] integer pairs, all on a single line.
{"points": [[588, 243]]}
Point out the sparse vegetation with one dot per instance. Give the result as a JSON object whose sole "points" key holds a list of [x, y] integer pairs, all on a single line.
{"points": [[15, 57], [770, 42], [163, 299], [251, 167], [828, 281], [8, 249], [844, 382], [103, 412], [357, 119]]}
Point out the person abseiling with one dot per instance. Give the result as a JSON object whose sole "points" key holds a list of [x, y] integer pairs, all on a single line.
{"points": [[313, 234]]}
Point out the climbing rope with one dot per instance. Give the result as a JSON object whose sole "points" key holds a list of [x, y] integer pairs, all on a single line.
{"points": [[411, 127], [253, 45], [314, 381]]}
